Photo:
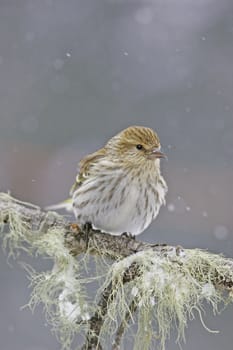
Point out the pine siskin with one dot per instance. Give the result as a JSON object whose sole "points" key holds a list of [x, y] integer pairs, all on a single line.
{"points": [[119, 188]]}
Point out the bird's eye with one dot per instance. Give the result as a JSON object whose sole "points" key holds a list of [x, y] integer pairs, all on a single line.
{"points": [[139, 147]]}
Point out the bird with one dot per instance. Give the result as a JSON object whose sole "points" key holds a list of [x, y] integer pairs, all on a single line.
{"points": [[119, 188]]}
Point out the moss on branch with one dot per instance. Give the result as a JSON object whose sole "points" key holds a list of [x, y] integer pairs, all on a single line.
{"points": [[156, 286]]}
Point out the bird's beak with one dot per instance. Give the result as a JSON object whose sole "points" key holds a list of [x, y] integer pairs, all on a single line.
{"points": [[156, 153]]}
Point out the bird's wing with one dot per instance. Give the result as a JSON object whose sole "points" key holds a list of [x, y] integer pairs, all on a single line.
{"points": [[85, 166]]}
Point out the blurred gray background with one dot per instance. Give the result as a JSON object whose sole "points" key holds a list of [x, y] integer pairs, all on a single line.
{"points": [[75, 72]]}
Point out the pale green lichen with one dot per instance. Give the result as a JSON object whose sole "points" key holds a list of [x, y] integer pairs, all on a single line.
{"points": [[62, 294], [60, 290], [168, 288]]}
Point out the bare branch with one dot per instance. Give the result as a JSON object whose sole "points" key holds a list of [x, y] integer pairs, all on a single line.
{"points": [[121, 329]]}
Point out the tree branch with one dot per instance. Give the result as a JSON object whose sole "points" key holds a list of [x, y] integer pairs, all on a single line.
{"points": [[121, 329], [136, 262]]}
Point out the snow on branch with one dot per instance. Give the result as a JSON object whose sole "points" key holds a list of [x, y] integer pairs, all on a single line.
{"points": [[157, 287]]}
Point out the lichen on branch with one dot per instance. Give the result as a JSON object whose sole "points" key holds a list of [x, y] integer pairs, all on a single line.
{"points": [[157, 287]]}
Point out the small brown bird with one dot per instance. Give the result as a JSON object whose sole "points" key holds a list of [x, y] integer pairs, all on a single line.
{"points": [[119, 188]]}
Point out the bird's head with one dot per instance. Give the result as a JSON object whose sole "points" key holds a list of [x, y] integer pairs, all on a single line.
{"points": [[136, 145]]}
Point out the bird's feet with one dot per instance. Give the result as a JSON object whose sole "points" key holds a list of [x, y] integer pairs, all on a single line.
{"points": [[88, 230], [87, 227], [128, 235]]}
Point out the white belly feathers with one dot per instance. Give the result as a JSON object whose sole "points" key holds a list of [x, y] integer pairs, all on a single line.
{"points": [[117, 205]]}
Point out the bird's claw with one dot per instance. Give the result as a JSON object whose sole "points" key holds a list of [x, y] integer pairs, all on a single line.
{"points": [[87, 228], [128, 235]]}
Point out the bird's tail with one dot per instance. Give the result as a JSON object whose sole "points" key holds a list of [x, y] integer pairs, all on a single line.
{"points": [[66, 204]]}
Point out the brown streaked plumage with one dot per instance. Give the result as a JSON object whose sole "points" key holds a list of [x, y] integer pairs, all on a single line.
{"points": [[119, 188]]}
